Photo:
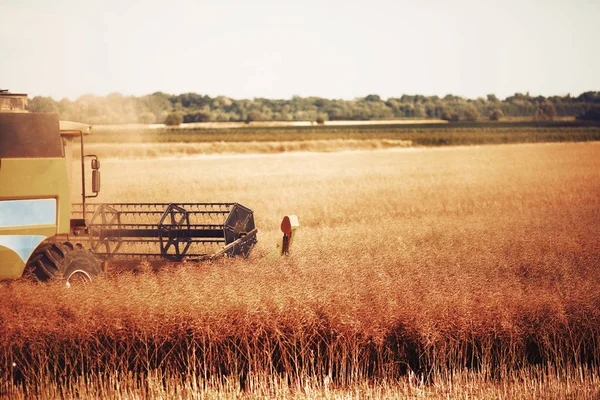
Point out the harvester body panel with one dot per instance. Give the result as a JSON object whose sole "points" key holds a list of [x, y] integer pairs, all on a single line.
{"points": [[34, 192]]}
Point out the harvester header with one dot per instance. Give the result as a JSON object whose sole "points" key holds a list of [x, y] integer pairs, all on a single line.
{"points": [[169, 231]]}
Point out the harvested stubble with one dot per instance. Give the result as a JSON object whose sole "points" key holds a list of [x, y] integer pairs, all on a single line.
{"points": [[529, 383], [144, 150], [426, 262]]}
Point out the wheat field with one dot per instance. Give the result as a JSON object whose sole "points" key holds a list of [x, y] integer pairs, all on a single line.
{"points": [[161, 150], [446, 272]]}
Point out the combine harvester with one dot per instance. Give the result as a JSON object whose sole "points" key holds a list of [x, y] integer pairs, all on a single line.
{"points": [[45, 237]]}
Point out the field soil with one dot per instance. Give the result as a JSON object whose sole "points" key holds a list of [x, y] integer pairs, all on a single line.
{"points": [[420, 272]]}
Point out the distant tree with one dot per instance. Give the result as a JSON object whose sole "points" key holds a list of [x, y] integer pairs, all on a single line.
{"points": [[157, 103], [545, 112], [254, 116], [373, 97], [198, 116], [43, 104], [147, 118], [492, 98], [320, 102], [419, 98], [321, 118], [174, 119], [392, 104], [496, 114], [222, 102], [192, 100], [591, 114], [589, 97], [470, 113], [439, 110], [419, 111], [451, 116]]}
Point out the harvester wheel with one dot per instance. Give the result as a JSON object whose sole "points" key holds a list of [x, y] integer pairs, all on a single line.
{"points": [[64, 261]]}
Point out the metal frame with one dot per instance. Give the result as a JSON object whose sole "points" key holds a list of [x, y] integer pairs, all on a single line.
{"points": [[170, 231]]}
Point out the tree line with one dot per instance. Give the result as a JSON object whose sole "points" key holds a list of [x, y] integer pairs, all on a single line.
{"points": [[159, 107]]}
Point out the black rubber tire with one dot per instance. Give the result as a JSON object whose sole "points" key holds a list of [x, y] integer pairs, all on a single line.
{"points": [[62, 261]]}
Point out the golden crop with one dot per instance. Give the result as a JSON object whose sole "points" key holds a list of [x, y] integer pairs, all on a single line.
{"points": [[410, 265]]}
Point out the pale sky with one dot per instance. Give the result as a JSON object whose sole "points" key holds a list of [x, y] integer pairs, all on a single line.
{"points": [[278, 49]]}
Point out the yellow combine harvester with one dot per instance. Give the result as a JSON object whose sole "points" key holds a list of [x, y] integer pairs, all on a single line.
{"points": [[43, 236]]}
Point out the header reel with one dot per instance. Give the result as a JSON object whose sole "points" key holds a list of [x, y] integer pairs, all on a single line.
{"points": [[169, 231]]}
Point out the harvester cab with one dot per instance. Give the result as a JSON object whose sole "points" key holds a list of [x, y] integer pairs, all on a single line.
{"points": [[44, 236]]}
